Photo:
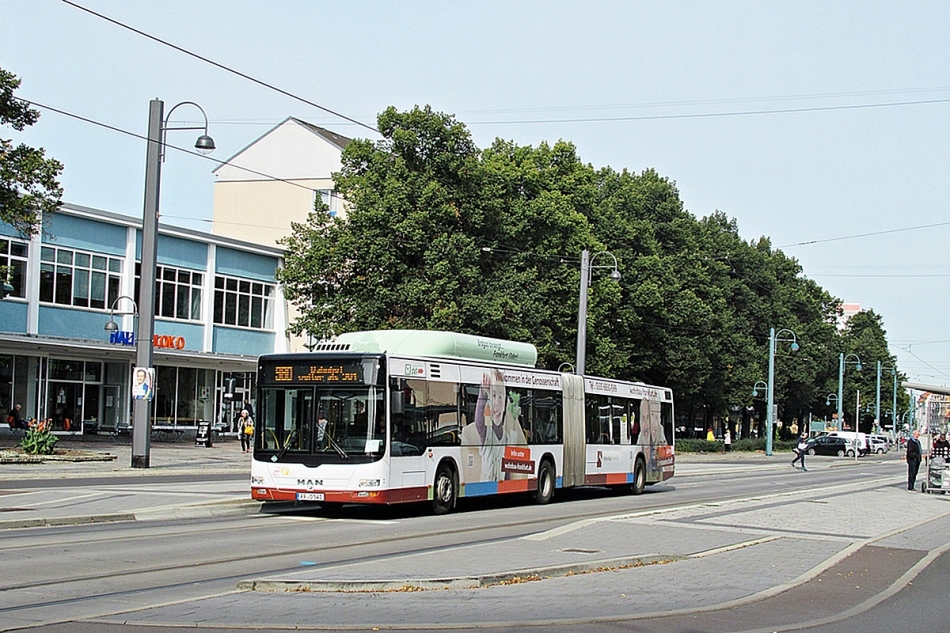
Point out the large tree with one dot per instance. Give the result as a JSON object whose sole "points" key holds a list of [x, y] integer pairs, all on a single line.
{"points": [[442, 235], [29, 188]]}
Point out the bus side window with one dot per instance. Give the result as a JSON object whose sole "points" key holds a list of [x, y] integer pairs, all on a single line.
{"points": [[408, 424], [633, 419]]}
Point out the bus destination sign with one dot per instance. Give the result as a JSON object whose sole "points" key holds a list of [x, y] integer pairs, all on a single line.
{"points": [[324, 373]]}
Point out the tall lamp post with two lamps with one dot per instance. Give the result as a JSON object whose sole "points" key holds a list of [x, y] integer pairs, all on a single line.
{"points": [[587, 266], [842, 361], [877, 414], [157, 128], [774, 337], [828, 399]]}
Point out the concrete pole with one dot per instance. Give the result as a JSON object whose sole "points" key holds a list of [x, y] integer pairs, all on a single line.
{"points": [[141, 420], [582, 314], [769, 416]]}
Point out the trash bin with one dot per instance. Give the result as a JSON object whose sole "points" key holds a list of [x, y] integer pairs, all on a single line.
{"points": [[203, 435]]}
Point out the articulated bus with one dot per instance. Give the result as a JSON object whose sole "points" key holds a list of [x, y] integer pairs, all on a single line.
{"points": [[403, 416]]}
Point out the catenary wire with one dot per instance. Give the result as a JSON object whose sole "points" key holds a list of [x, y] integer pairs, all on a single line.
{"points": [[185, 150], [221, 66]]}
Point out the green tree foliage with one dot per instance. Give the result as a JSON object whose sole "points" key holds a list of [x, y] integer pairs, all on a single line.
{"points": [[442, 235], [29, 187], [866, 338]]}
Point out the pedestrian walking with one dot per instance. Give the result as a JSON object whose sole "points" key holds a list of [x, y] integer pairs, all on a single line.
{"points": [[727, 440], [913, 459], [800, 450]]}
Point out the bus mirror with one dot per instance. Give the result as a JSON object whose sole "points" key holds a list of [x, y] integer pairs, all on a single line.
{"points": [[395, 402], [370, 371]]}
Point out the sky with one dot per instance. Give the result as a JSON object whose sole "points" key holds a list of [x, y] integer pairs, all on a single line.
{"points": [[821, 125]]}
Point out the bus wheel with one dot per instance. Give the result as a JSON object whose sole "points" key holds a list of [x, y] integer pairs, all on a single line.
{"points": [[444, 490], [546, 483], [639, 478]]}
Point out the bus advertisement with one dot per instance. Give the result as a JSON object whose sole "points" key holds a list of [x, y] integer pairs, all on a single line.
{"points": [[405, 416]]}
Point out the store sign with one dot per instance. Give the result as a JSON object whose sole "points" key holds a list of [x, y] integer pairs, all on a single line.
{"points": [[162, 341], [159, 341], [122, 338]]}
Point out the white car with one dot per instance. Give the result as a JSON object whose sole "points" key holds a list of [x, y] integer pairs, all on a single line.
{"points": [[878, 445]]}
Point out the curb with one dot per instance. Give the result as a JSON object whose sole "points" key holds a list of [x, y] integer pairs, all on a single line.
{"points": [[15, 524], [464, 582], [220, 509]]}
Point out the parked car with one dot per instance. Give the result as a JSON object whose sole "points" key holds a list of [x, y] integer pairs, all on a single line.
{"points": [[829, 445], [878, 445]]}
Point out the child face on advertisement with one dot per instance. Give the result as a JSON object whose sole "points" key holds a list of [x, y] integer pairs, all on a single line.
{"points": [[498, 399]]}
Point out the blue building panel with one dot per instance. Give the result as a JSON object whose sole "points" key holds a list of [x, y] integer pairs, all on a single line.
{"points": [[75, 232], [192, 334], [244, 342], [13, 316], [174, 251], [243, 264], [73, 323]]}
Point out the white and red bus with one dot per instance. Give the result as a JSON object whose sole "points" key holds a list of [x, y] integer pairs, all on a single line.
{"points": [[404, 416]]}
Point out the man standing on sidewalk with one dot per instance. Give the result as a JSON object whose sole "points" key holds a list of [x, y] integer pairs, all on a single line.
{"points": [[913, 459]]}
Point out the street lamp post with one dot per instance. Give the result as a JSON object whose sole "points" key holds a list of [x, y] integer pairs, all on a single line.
{"points": [[155, 155], [893, 370], [842, 361], [828, 399], [774, 337], [111, 325], [587, 265]]}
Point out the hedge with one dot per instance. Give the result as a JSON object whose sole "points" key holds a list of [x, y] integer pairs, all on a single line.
{"points": [[748, 445]]}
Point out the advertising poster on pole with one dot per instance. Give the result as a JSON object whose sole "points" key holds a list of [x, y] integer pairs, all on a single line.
{"points": [[143, 382]]}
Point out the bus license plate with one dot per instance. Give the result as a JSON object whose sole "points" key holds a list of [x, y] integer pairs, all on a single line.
{"points": [[309, 496]]}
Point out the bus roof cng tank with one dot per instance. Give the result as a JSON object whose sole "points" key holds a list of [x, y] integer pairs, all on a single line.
{"points": [[438, 344]]}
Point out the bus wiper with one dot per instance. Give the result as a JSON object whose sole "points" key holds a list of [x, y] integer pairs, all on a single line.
{"points": [[337, 447], [286, 447]]}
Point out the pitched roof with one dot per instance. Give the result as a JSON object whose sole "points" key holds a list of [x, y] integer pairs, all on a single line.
{"points": [[337, 139], [331, 137]]}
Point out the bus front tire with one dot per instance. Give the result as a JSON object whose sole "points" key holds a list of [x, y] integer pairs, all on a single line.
{"points": [[444, 490], [546, 483], [639, 478]]}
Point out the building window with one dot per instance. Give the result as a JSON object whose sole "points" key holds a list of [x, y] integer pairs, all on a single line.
{"points": [[330, 198], [243, 303], [177, 292], [76, 278], [13, 254]]}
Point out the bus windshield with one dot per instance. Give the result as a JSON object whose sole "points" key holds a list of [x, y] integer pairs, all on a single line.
{"points": [[322, 424]]}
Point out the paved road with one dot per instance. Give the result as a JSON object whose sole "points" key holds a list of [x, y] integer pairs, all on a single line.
{"points": [[655, 566]]}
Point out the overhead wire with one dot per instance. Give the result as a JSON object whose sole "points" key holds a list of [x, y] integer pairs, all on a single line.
{"points": [[223, 67], [185, 150]]}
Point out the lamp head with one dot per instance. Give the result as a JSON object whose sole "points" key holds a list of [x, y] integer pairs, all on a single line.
{"points": [[111, 326], [858, 367], [755, 393], [204, 144], [794, 346], [615, 275]]}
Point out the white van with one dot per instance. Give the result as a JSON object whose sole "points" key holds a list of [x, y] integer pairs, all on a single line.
{"points": [[850, 436]]}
